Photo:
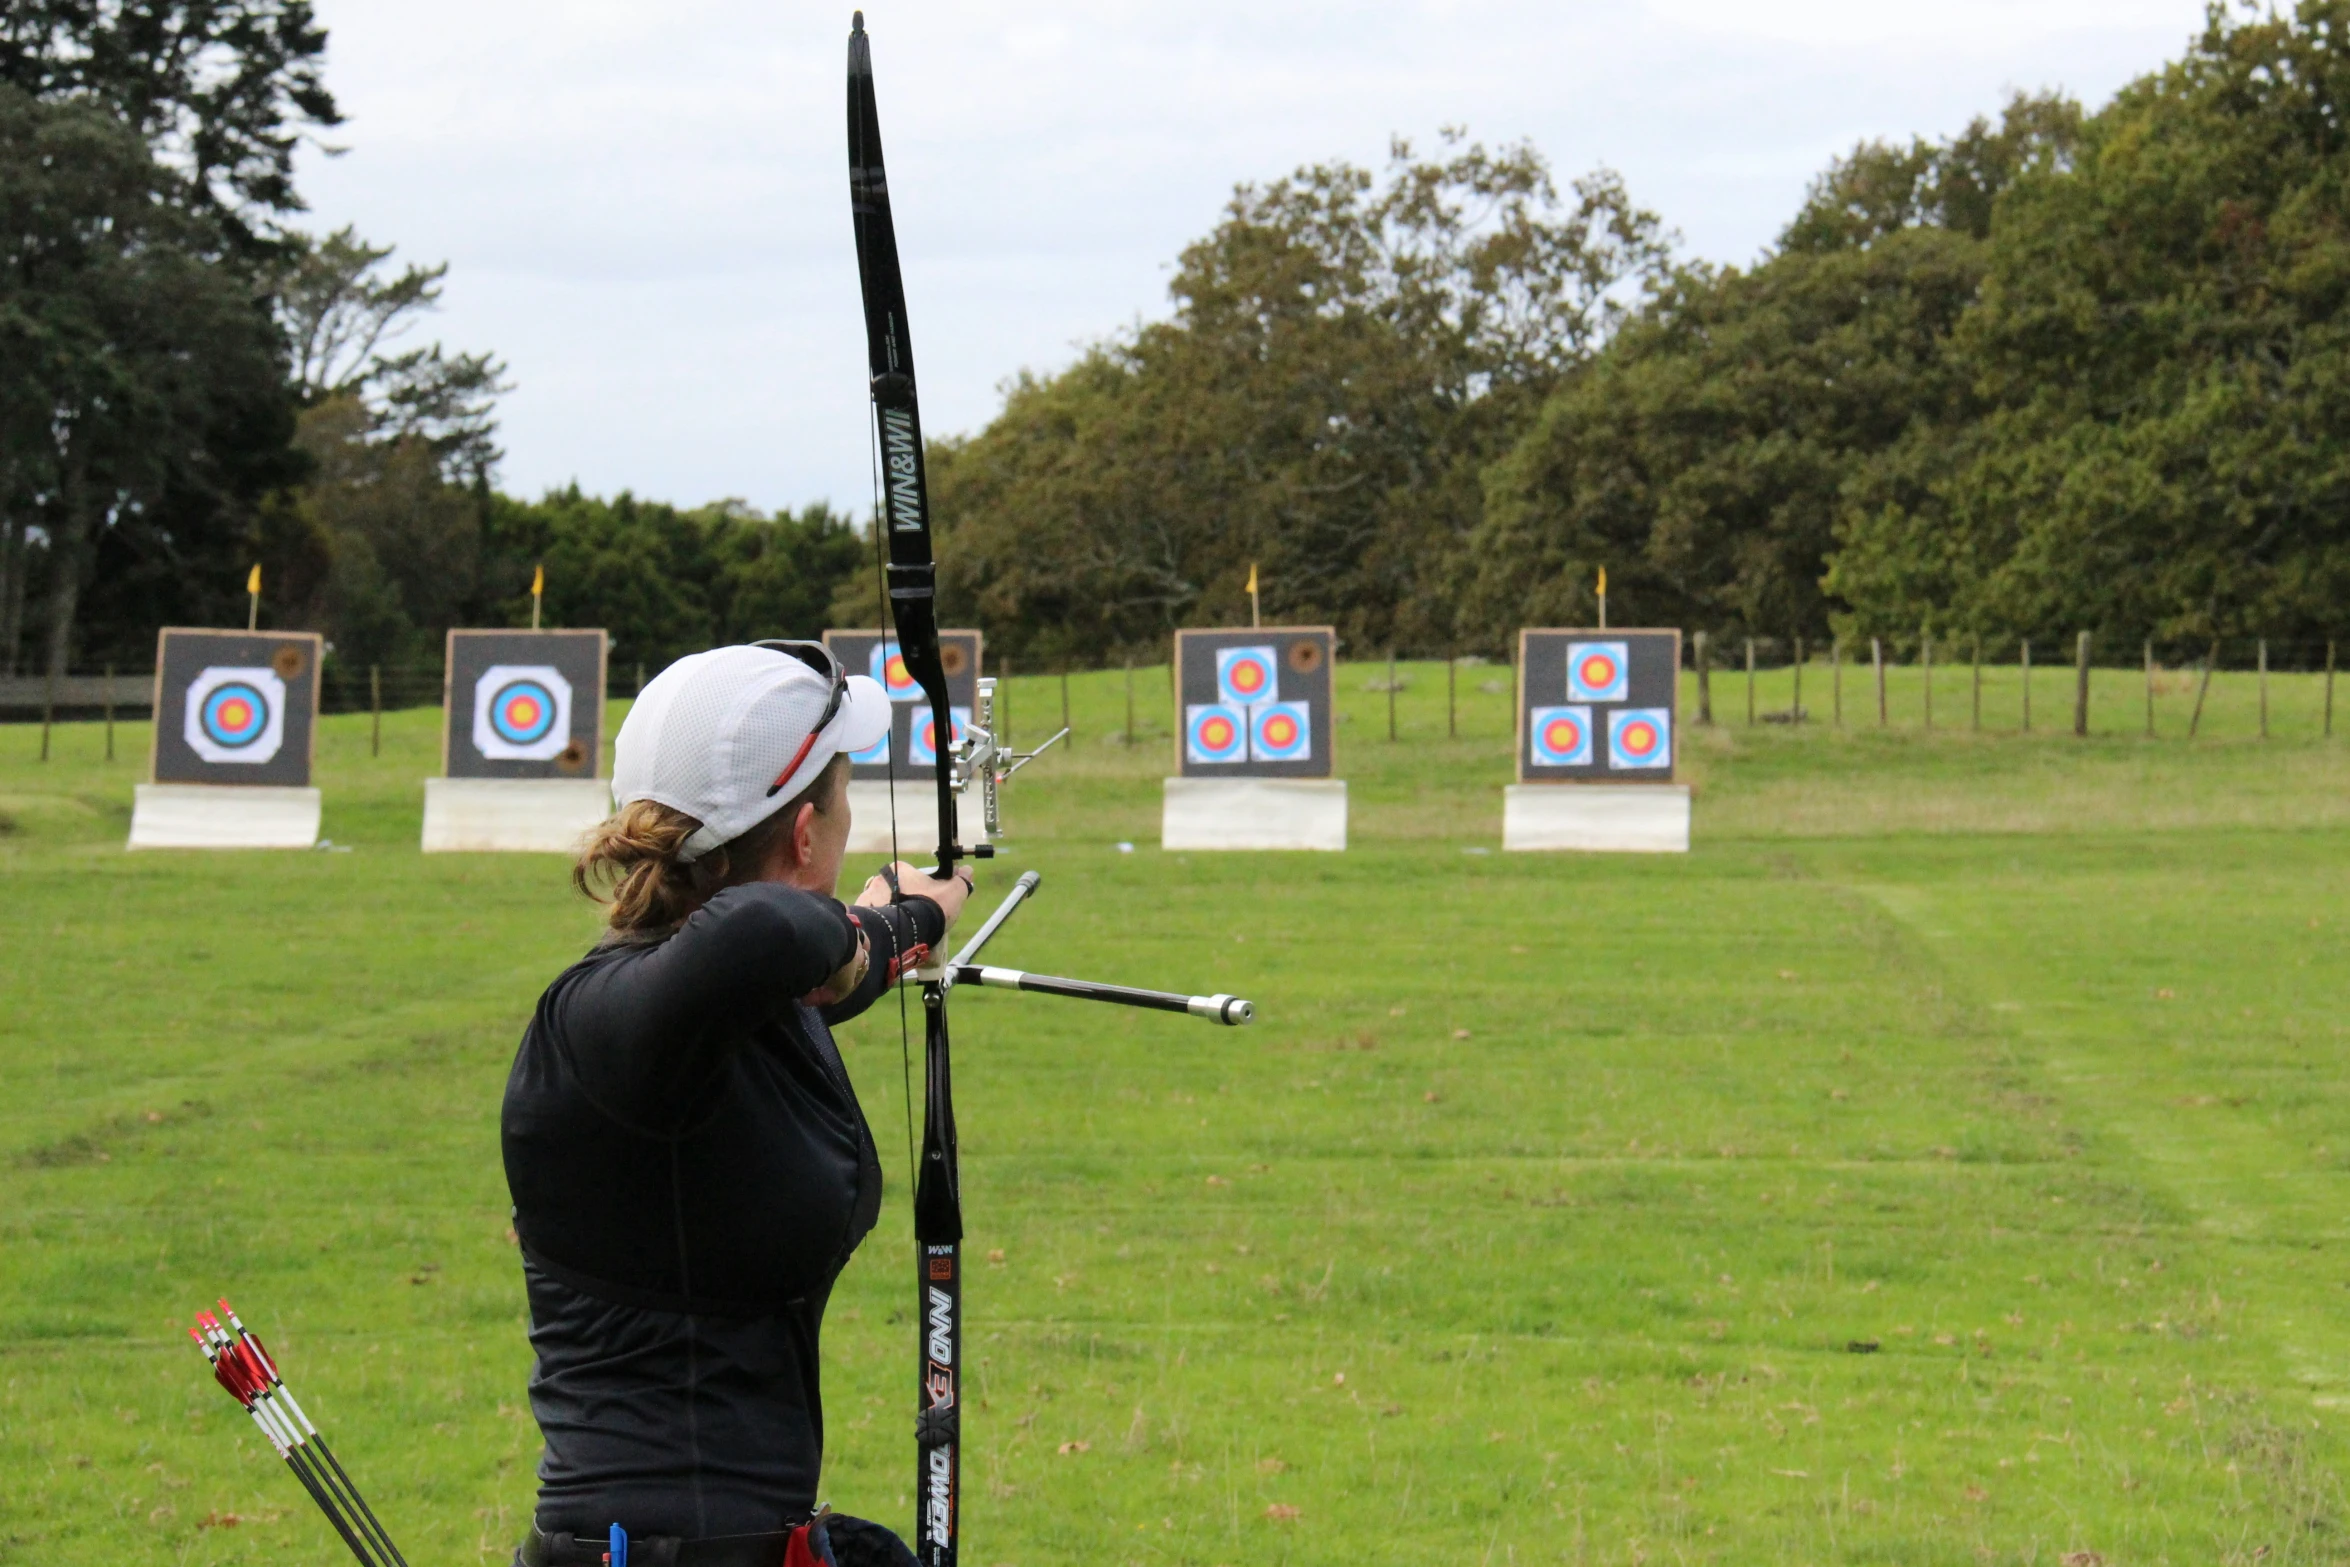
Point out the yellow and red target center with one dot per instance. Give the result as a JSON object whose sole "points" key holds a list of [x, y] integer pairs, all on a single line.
{"points": [[236, 713], [1216, 733], [522, 712], [1248, 679], [894, 671], [1562, 735], [1599, 671], [1280, 729], [1639, 739]]}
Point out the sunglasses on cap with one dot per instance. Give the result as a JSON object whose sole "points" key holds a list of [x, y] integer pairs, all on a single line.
{"points": [[819, 658]]}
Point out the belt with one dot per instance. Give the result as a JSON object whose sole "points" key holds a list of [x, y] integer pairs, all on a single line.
{"points": [[658, 1550]]}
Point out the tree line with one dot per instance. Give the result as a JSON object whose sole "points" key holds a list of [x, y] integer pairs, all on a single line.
{"points": [[191, 384], [2061, 371]]}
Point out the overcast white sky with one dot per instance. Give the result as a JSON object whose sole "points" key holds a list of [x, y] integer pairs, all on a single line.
{"points": [[644, 201]]}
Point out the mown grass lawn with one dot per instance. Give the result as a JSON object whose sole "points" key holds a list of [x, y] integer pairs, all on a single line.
{"points": [[1947, 1162]]}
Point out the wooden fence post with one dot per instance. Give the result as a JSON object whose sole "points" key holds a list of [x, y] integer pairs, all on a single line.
{"points": [[1977, 721], [1750, 682], [2149, 688], [1130, 701], [2264, 688], [1795, 712], [1452, 680], [1926, 669], [1836, 681], [110, 712], [1065, 697], [640, 679], [1877, 658], [2203, 689], [2027, 657], [1705, 682], [2081, 685], [1391, 691], [2329, 691], [48, 710], [375, 710]]}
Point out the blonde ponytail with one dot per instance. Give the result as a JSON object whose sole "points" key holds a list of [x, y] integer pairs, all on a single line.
{"points": [[637, 852]]}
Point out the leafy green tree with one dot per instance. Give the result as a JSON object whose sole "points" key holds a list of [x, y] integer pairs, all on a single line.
{"points": [[1704, 456], [133, 365], [778, 576], [2162, 347], [636, 568], [342, 320], [218, 89], [382, 547], [663, 581], [148, 152], [1345, 354]]}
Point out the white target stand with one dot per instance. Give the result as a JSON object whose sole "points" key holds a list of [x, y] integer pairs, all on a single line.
{"points": [[512, 815], [1253, 813], [1601, 818], [917, 818], [224, 816]]}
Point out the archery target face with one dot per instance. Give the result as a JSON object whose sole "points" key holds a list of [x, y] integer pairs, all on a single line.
{"points": [[521, 713], [1639, 737], [236, 714], [906, 753], [1598, 671], [1215, 732], [925, 746], [1280, 732], [888, 669], [1559, 736], [1245, 676]]}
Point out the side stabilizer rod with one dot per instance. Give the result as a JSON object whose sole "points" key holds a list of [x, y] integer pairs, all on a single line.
{"points": [[1230, 1011]]}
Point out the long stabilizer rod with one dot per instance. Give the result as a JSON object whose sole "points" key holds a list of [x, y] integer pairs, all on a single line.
{"points": [[1231, 1011]]}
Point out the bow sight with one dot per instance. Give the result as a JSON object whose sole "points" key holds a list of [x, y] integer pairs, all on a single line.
{"points": [[979, 759]]}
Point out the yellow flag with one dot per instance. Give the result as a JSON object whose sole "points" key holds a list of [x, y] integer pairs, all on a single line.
{"points": [[253, 580], [1252, 576], [538, 582], [1603, 582]]}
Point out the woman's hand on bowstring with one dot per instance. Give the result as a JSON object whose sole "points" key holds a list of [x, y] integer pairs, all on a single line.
{"points": [[949, 894]]}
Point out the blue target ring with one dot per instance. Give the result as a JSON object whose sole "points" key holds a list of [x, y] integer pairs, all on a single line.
{"points": [[1559, 736], [234, 714], [1215, 732], [522, 712]]}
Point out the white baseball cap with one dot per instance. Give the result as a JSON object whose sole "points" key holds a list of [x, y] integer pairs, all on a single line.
{"points": [[731, 736]]}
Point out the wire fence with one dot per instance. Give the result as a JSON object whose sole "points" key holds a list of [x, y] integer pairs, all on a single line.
{"points": [[2055, 682], [2025, 683]]}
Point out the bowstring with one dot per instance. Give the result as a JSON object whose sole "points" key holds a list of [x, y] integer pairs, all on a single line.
{"points": [[890, 762]]}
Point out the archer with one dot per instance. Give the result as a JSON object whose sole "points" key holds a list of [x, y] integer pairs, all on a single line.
{"points": [[689, 1164]]}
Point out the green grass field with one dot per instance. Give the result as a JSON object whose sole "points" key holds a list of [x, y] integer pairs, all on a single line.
{"points": [[1946, 1162]]}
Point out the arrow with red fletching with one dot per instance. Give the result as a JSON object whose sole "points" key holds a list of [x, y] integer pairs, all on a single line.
{"points": [[242, 1367]]}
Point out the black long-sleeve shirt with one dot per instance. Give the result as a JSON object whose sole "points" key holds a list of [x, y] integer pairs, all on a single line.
{"points": [[690, 1172]]}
